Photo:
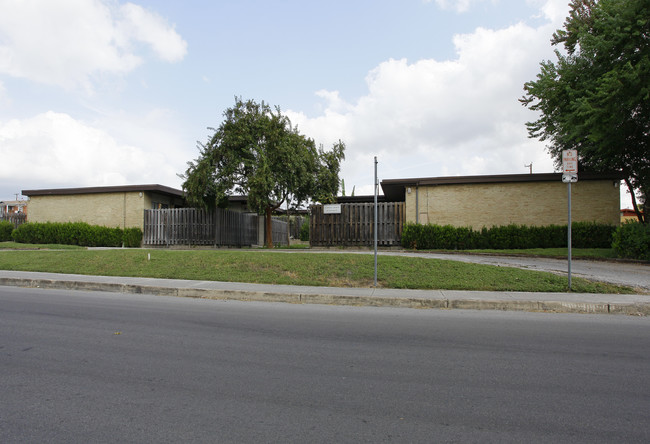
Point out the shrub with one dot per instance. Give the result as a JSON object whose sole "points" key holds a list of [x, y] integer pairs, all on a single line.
{"points": [[304, 231], [76, 233], [132, 237], [632, 240], [28, 233], [430, 237], [591, 235], [6, 228]]}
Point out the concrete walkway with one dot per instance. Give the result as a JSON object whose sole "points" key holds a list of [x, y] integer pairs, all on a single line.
{"points": [[442, 299]]}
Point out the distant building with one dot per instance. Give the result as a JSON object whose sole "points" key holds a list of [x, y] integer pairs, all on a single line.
{"points": [[628, 214], [12, 207]]}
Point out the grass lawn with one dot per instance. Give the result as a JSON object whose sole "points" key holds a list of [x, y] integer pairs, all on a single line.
{"points": [[17, 246], [264, 266], [583, 253]]}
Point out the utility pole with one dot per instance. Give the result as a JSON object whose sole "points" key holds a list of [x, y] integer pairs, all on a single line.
{"points": [[529, 166]]}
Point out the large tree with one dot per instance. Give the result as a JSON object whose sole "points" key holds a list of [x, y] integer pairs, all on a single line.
{"points": [[596, 97], [257, 152]]}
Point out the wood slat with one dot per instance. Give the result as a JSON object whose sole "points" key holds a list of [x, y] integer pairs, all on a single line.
{"points": [[355, 225], [191, 226]]}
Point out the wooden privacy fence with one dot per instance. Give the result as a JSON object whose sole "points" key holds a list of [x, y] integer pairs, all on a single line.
{"points": [[191, 226], [15, 218], [279, 229], [354, 226], [295, 225]]}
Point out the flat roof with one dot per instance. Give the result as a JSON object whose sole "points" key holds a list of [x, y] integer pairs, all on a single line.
{"points": [[394, 189], [111, 189], [360, 199]]}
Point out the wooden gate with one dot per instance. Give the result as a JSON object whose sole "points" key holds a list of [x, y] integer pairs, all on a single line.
{"points": [[354, 226], [191, 226]]}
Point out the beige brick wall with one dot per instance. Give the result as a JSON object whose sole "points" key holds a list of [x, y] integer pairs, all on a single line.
{"points": [[525, 203], [107, 209]]}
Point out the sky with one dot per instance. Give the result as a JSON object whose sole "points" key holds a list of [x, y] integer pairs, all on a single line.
{"points": [[109, 92]]}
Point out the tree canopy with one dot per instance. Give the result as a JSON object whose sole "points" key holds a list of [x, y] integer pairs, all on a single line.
{"points": [[596, 97], [257, 152]]}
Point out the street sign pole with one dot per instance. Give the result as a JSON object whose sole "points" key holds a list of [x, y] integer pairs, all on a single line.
{"points": [[569, 234], [376, 190], [569, 175]]}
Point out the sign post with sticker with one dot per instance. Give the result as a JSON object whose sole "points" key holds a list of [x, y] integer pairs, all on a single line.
{"points": [[569, 176]]}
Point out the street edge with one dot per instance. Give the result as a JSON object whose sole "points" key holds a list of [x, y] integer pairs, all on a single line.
{"points": [[633, 309]]}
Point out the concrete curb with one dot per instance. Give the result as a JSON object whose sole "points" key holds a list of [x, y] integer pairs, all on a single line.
{"points": [[438, 302]]}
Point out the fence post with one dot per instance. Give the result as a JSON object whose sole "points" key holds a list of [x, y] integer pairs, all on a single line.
{"points": [[214, 227]]}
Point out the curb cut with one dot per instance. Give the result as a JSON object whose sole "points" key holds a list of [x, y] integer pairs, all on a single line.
{"points": [[633, 309]]}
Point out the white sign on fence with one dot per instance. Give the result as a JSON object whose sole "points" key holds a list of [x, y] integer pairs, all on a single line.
{"points": [[332, 209]]}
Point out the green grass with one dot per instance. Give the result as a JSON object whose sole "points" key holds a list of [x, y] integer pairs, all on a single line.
{"points": [[304, 246], [17, 246], [583, 253], [321, 269]]}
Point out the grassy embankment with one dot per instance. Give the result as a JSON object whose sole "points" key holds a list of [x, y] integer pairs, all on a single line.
{"points": [[263, 266], [560, 253]]}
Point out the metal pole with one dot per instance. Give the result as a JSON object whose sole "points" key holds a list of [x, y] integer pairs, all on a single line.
{"points": [[569, 235], [288, 225], [375, 221]]}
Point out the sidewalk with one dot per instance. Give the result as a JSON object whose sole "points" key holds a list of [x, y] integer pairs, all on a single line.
{"points": [[442, 299]]}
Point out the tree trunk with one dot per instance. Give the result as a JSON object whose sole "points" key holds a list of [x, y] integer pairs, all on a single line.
{"points": [[269, 229], [642, 217]]}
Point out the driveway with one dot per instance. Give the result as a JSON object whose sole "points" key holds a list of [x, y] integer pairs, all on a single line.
{"points": [[622, 273]]}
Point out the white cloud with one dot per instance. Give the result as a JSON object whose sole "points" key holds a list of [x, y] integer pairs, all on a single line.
{"points": [[457, 5], [152, 29], [553, 10], [54, 150], [3, 94], [434, 118], [71, 42]]}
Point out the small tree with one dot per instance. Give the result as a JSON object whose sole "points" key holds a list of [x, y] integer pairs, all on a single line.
{"points": [[596, 97], [256, 151]]}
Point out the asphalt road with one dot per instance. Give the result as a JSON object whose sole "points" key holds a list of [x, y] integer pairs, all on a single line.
{"points": [[107, 367]]}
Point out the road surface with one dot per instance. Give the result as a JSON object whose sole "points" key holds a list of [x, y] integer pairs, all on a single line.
{"points": [[107, 367]]}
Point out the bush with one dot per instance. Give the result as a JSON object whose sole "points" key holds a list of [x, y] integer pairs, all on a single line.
{"points": [[591, 235], [632, 240], [6, 228], [304, 231], [29, 233], [132, 237], [447, 237], [432, 237], [76, 233]]}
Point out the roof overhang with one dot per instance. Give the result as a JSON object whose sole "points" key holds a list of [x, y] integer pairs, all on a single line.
{"points": [[98, 190], [360, 199]]}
